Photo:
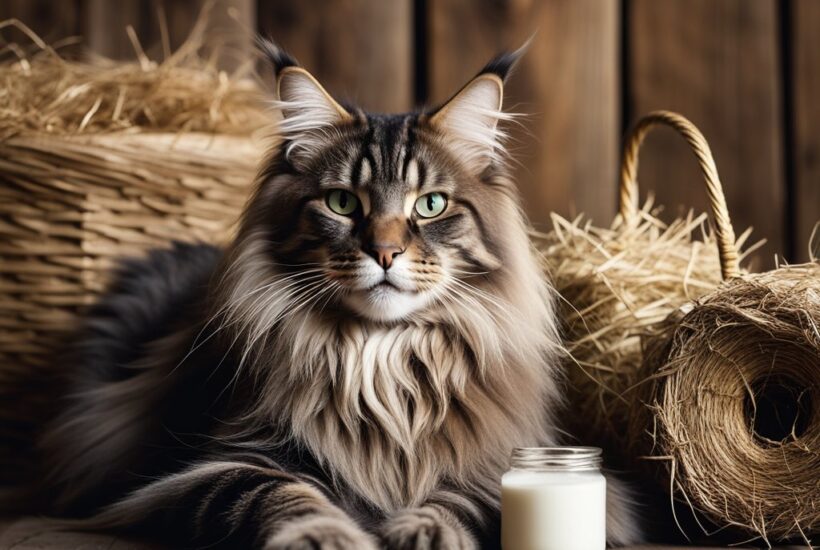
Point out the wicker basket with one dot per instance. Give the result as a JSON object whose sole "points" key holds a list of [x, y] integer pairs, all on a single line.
{"points": [[721, 375], [70, 206], [617, 283]]}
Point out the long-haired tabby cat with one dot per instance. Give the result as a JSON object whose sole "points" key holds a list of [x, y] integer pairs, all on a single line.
{"points": [[352, 372]]}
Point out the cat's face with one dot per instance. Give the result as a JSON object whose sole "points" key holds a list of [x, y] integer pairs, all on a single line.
{"points": [[384, 214]]}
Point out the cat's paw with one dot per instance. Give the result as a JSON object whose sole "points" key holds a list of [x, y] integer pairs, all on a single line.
{"points": [[426, 528], [320, 533]]}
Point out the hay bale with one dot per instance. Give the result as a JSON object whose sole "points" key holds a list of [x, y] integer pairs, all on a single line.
{"points": [[99, 161], [615, 285], [735, 399]]}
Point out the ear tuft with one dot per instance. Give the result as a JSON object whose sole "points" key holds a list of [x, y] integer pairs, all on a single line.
{"points": [[469, 122], [307, 109], [278, 58], [503, 64]]}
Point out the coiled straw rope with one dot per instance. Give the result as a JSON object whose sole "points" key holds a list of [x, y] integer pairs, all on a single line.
{"points": [[736, 404]]}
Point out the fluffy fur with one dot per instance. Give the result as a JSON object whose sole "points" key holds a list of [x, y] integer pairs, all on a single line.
{"points": [[332, 378]]}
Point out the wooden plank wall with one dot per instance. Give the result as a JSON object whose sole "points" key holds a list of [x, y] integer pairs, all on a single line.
{"points": [[716, 62], [567, 85], [746, 71], [804, 151], [360, 50]]}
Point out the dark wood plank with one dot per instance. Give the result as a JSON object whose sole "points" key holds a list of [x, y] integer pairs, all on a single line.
{"points": [[717, 64], [230, 30], [106, 24], [360, 50], [806, 125], [162, 26], [567, 82], [31, 533], [52, 21]]}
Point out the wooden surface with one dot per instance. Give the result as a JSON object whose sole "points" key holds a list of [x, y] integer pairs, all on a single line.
{"points": [[36, 534], [805, 154], [567, 84], [717, 63]]}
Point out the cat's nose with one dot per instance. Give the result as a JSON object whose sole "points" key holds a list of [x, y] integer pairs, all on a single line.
{"points": [[385, 237], [384, 253]]}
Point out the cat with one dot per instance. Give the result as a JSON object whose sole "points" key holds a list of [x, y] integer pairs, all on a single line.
{"points": [[355, 368]]}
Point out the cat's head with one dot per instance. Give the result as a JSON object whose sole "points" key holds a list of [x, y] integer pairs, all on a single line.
{"points": [[383, 214]]}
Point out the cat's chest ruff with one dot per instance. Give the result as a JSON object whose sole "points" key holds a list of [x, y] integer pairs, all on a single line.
{"points": [[393, 410], [390, 384], [400, 379], [379, 413]]}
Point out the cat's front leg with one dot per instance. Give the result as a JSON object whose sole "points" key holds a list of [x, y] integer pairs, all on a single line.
{"points": [[236, 505], [439, 524]]}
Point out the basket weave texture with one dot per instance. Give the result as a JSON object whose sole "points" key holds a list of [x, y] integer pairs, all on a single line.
{"points": [[71, 205]]}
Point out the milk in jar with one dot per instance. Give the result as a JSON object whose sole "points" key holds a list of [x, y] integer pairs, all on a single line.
{"points": [[554, 498]]}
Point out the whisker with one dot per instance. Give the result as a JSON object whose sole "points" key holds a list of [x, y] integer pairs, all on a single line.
{"points": [[261, 331], [472, 294], [297, 265], [234, 304], [472, 273], [325, 290], [249, 346], [498, 305]]}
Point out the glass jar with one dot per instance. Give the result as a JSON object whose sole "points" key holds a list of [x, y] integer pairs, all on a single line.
{"points": [[554, 498]]}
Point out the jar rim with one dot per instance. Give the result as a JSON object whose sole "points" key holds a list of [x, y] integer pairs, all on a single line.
{"points": [[556, 458]]}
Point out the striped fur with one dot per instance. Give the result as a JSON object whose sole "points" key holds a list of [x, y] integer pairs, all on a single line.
{"points": [[303, 389], [235, 504]]}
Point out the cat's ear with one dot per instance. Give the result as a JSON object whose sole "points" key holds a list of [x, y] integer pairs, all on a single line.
{"points": [[469, 120], [307, 108]]}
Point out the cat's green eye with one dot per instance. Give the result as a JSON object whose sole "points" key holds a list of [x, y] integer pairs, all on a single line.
{"points": [[431, 205], [342, 202]]}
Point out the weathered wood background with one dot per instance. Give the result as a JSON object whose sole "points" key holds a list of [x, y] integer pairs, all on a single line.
{"points": [[747, 72]]}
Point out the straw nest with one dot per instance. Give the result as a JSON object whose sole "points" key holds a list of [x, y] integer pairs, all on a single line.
{"points": [[100, 160], [736, 403], [615, 285]]}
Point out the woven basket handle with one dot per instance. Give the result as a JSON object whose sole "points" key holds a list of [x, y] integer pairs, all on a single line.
{"points": [[729, 266]]}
